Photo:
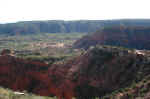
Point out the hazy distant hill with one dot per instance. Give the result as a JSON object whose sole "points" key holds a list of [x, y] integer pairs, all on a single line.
{"points": [[53, 26], [60, 26]]}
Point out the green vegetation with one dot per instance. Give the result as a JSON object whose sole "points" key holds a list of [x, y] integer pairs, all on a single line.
{"points": [[23, 42], [9, 94], [135, 90], [45, 47]]}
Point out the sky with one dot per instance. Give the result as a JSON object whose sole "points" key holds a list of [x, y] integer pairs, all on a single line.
{"points": [[27, 10]]}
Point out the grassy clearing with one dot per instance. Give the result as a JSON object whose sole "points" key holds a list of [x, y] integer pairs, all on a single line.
{"points": [[9, 94]]}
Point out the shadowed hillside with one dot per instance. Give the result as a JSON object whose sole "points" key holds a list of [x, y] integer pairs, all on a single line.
{"points": [[130, 37], [100, 71]]}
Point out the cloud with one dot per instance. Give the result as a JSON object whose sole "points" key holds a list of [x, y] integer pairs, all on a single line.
{"points": [[19, 10]]}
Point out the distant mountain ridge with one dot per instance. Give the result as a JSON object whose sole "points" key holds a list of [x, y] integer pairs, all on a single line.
{"points": [[53, 26], [60, 26]]}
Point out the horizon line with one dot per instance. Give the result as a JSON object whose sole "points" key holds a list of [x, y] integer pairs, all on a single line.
{"points": [[114, 19]]}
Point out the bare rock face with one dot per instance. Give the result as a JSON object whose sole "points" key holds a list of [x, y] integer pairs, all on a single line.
{"points": [[32, 76], [98, 71], [15, 72]]}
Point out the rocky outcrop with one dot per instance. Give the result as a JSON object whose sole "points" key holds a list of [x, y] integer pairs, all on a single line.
{"points": [[32, 76]]}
